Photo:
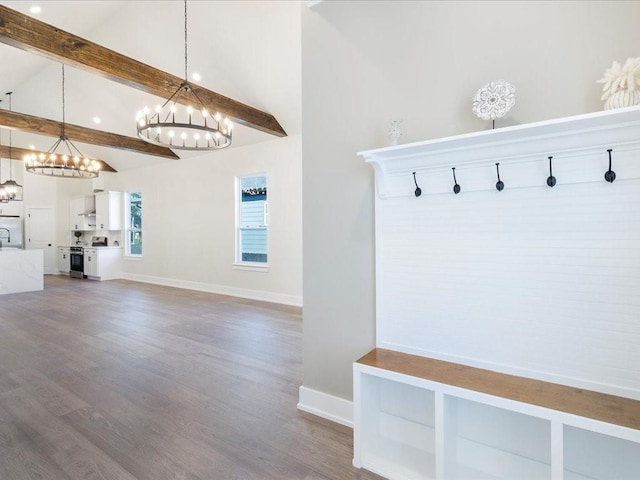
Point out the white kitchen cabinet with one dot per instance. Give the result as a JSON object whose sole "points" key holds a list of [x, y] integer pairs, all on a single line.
{"points": [[91, 262], [64, 263], [79, 217], [103, 263], [109, 211], [14, 209]]}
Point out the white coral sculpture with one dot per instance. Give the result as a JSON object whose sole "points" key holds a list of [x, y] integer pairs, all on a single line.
{"points": [[621, 78]]}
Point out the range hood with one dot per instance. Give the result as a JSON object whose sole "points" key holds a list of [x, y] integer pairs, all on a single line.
{"points": [[88, 213]]}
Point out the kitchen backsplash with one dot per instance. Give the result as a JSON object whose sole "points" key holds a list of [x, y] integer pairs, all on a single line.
{"points": [[86, 238]]}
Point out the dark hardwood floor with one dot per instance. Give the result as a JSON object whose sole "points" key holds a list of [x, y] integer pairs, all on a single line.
{"points": [[121, 380]]}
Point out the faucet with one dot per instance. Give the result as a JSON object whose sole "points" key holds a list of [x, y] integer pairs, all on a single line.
{"points": [[8, 237]]}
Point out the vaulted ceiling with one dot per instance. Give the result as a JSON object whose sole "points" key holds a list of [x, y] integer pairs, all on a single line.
{"points": [[248, 51]]}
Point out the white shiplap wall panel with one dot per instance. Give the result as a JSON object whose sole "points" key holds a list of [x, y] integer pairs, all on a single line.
{"points": [[531, 280]]}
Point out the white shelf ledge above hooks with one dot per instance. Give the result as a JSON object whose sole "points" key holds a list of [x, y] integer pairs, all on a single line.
{"points": [[569, 137]]}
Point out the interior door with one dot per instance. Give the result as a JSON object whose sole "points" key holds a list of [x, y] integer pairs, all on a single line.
{"points": [[41, 234]]}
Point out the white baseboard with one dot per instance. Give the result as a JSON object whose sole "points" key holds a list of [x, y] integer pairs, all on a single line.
{"points": [[219, 289], [326, 406]]}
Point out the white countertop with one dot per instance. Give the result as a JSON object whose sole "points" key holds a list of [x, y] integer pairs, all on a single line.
{"points": [[21, 270], [89, 246]]}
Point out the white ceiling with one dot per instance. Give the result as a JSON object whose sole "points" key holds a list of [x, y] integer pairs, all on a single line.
{"points": [[249, 51]]}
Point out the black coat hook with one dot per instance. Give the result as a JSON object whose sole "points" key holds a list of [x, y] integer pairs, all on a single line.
{"points": [[499, 183], [551, 181], [418, 190], [610, 175], [456, 187]]}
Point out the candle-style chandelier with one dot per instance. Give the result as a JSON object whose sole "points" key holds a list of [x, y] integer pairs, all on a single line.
{"points": [[68, 164], [191, 128]]}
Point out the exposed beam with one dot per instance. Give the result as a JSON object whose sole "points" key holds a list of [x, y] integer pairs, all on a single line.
{"points": [[34, 36], [18, 153], [76, 133]]}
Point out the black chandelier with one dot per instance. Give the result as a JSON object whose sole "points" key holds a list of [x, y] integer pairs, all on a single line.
{"points": [[10, 190], [69, 164], [190, 128]]}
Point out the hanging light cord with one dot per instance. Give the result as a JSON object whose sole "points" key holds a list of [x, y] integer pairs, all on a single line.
{"points": [[1, 159], [63, 113], [185, 41], [10, 156], [63, 137]]}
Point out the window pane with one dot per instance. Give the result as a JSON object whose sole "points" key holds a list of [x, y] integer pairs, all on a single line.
{"points": [[134, 239], [252, 214], [135, 242], [252, 219], [253, 245]]}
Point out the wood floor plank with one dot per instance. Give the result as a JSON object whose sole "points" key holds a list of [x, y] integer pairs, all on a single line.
{"points": [[159, 433], [121, 380], [7, 383], [140, 349], [50, 395], [72, 452], [20, 459], [131, 449]]}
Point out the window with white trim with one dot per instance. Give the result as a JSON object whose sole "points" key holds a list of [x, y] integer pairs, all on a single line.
{"points": [[252, 219], [134, 224]]}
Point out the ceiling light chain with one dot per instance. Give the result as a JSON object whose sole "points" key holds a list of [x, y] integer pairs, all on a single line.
{"points": [[63, 102], [73, 165], [195, 129], [4, 197], [186, 44]]}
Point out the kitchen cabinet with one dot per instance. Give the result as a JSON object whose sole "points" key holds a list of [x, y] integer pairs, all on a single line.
{"points": [[109, 211], [80, 217], [64, 264], [13, 209], [91, 262], [103, 263]]}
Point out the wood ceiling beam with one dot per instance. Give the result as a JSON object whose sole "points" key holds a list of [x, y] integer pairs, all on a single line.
{"points": [[76, 133], [18, 153], [32, 35]]}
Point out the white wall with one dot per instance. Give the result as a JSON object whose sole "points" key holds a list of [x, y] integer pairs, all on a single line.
{"points": [[189, 221], [366, 63], [529, 281]]}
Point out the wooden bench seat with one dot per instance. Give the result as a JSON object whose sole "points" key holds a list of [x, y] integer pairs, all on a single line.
{"points": [[612, 409]]}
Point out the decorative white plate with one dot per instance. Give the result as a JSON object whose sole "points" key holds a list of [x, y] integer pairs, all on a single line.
{"points": [[494, 100]]}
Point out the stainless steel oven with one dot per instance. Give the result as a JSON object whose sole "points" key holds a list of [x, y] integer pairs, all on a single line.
{"points": [[76, 262]]}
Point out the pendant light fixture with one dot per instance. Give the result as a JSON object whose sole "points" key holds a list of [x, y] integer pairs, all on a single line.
{"points": [[67, 165], [4, 196], [190, 128], [12, 189]]}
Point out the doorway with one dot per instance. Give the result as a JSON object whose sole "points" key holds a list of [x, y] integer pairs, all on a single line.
{"points": [[41, 233]]}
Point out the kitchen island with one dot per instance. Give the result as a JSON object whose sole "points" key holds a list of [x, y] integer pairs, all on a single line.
{"points": [[21, 270]]}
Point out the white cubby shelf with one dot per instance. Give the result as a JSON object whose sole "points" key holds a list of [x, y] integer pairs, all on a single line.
{"points": [[421, 418]]}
